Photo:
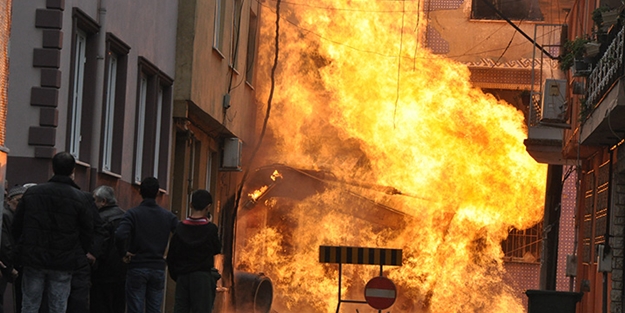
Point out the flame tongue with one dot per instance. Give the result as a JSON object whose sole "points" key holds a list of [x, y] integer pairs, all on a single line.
{"points": [[357, 95]]}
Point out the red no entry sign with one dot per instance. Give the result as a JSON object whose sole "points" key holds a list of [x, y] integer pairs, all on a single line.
{"points": [[380, 293]]}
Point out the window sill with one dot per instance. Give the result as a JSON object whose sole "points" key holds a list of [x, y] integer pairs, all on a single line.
{"points": [[83, 164], [234, 70], [215, 50], [114, 175]]}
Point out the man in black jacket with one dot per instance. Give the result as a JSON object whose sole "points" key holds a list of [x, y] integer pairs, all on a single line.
{"points": [[191, 257], [53, 229], [108, 277], [143, 235]]}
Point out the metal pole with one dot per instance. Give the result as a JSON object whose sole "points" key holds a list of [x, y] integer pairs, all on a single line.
{"points": [[338, 307]]}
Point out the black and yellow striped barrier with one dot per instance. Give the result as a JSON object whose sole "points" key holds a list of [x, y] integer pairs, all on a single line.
{"points": [[360, 255]]}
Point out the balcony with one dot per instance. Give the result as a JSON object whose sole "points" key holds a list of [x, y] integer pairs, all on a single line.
{"points": [[604, 122]]}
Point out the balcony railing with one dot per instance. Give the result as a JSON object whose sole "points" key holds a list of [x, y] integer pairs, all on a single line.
{"points": [[607, 71]]}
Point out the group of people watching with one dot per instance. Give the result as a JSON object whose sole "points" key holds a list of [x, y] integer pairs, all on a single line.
{"points": [[67, 250]]}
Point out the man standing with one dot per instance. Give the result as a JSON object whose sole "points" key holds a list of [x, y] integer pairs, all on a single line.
{"points": [[191, 257], [108, 276], [143, 234], [53, 229]]}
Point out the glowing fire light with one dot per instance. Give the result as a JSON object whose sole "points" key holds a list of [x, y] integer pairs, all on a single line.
{"points": [[345, 103], [257, 193], [276, 175]]}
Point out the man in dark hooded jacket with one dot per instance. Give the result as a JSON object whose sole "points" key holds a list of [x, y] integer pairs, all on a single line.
{"points": [[191, 257]]}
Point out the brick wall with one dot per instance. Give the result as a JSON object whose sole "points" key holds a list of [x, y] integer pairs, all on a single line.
{"points": [[5, 28], [616, 231]]}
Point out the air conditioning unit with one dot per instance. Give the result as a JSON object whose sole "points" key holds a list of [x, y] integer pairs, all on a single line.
{"points": [[571, 265], [553, 108], [231, 159], [604, 258]]}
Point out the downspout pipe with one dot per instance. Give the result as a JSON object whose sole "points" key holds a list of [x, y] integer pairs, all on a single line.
{"points": [[99, 94]]}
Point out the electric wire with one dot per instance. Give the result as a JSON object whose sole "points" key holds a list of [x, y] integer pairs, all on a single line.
{"points": [[349, 10], [401, 43], [305, 31], [268, 110]]}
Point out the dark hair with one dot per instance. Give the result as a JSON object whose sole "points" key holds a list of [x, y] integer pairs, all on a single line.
{"points": [[63, 164], [149, 187], [200, 199]]}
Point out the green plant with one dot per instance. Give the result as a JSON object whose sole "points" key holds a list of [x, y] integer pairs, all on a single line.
{"points": [[572, 49], [597, 16], [584, 109]]}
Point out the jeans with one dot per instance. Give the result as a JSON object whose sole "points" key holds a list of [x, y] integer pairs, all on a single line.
{"points": [[57, 283], [78, 301], [144, 290]]}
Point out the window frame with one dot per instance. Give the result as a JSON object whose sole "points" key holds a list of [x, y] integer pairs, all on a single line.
{"points": [[152, 123], [78, 72], [113, 108], [81, 96], [219, 30], [251, 48], [237, 17]]}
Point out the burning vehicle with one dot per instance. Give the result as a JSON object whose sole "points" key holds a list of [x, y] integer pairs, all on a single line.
{"points": [[272, 192]]}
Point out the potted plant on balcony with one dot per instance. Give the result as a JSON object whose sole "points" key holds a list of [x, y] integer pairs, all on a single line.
{"points": [[591, 49], [604, 17], [572, 56]]}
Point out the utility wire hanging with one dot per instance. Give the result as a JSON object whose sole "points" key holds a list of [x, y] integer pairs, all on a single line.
{"points": [[490, 5]]}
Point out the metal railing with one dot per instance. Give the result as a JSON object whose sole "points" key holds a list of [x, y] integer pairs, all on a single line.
{"points": [[607, 71]]}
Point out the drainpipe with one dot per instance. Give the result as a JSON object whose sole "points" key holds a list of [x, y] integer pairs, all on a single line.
{"points": [[99, 95]]}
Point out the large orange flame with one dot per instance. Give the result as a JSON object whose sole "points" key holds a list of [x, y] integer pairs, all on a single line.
{"points": [[357, 95]]}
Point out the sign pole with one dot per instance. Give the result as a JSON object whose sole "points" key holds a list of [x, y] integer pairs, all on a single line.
{"points": [[338, 307], [380, 296]]}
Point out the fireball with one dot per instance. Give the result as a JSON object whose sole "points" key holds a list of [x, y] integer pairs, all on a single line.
{"points": [[408, 154]]}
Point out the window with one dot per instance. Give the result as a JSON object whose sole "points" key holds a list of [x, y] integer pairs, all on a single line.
{"points": [[114, 104], [80, 58], [220, 16], [152, 123], [82, 90], [525, 10], [251, 48], [236, 30], [523, 245], [143, 91], [594, 229]]}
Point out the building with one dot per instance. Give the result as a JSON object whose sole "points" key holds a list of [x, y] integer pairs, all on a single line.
{"points": [[80, 81], [136, 89], [214, 113], [593, 105]]}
